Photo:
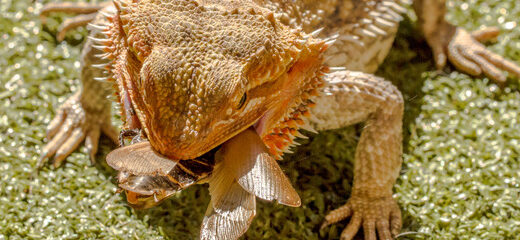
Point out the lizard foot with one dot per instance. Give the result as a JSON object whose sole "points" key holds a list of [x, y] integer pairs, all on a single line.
{"points": [[87, 11], [469, 55], [72, 124], [466, 52], [374, 214]]}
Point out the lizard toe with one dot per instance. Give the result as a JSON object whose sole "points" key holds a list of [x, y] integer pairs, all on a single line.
{"points": [[485, 34], [72, 142], [353, 227], [369, 229], [57, 140], [74, 22], [70, 127], [110, 131], [395, 221], [92, 143], [55, 124], [337, 215], [376, 215], [462, 63], [383, 229], [469, 55]]}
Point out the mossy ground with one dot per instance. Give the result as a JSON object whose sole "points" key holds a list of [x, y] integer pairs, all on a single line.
{"points": [[460, 177]]}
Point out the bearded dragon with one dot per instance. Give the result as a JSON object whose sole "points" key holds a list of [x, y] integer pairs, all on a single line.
{"points": [[192, 74]]}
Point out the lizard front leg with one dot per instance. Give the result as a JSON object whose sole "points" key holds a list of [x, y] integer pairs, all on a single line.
{"points": [[349, 98], [461, 48], [86, 114]]}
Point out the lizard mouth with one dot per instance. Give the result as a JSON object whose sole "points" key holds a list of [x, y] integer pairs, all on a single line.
{"points": [[146, 177], [148, 188], [146, 191]]}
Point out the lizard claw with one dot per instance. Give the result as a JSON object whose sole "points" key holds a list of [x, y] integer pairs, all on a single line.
{"points": [[380, 214], [70, 127], [466, 52], [486, 34]]}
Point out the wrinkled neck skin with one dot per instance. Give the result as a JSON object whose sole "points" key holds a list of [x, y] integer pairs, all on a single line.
{"points": [[279, 125]]}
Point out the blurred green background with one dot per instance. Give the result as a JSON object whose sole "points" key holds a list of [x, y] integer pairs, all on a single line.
{"points": [[460, 177]]}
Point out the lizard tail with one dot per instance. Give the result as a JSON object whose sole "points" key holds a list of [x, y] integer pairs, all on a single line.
{"points": [[87, 13]]}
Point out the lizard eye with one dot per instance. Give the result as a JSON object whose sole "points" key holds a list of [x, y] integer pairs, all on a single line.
{"points": [[242, 101]]}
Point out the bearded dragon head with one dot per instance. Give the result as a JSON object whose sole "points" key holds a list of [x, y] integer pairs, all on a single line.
{"points": [[197, 73]]}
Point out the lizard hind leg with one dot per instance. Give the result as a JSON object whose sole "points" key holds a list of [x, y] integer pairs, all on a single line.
{"points": [[74, 22], [353, 97], [87, 13], [70, 7]]}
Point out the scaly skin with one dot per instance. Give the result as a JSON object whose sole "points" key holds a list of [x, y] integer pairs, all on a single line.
{"points": [[85, 115], [198, 82], [353, 97]]}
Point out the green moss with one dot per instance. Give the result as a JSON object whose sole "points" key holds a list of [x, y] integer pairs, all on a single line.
{"points": [[460, 177]]}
